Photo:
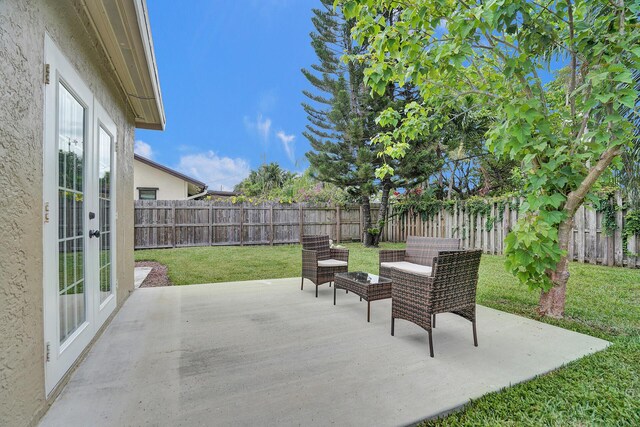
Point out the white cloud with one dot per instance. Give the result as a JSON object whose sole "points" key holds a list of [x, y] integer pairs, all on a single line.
{"points": [[217, 172], [262, 125], [288, 144], [143, 149]]}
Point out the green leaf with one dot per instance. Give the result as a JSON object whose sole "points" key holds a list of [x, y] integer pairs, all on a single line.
{"points": [[624, 77], [629, 101], [349, 8]]}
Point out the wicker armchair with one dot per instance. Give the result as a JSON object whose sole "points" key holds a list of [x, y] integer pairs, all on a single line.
{"points": [[451, 288], [419, 253], [320, 262]]}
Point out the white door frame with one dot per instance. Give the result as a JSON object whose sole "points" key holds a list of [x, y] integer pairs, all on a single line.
{"points": [[60, 357], [102, 120]]}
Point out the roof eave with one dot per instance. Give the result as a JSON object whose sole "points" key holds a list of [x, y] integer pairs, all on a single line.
{"points": [[145, 31], [170, 171], [123, 29]]}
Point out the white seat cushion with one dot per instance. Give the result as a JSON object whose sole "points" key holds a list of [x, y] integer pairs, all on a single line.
{"points": [[408, 267], [332, 263]]}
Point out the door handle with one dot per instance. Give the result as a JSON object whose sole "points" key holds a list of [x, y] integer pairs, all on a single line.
{"points": [[94, 233]]}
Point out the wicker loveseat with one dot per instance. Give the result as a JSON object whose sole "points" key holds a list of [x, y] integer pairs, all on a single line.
{"points": [[320, 262], [417, 257], [451, 288]]}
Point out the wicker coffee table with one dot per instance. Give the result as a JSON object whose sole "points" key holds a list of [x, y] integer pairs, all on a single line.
{"points": [[367, 286]]}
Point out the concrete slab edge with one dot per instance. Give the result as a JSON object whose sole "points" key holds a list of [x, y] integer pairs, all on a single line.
{"points": [[458, 408]]}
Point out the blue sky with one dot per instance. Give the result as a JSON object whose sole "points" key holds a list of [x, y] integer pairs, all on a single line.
{"points": [[231, 85]]}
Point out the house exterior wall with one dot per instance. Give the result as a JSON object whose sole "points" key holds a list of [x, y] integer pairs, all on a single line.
{"points": [[169, 187], [22, 31]]}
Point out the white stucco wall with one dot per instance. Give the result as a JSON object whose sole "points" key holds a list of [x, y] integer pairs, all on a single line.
{"points": [[169, 187]]}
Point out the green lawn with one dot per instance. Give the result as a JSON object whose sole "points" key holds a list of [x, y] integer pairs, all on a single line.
{"points": [[602, 389]]}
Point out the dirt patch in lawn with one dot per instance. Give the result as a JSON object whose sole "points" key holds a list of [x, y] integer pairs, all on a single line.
{"points": [[158, 276]]}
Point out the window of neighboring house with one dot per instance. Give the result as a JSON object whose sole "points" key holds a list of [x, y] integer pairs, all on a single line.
{"points": [[147, 193]]}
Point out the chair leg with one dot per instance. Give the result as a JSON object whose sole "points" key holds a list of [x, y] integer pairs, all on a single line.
{"points": [[393, 322], [433, 322], [430, 344], [475, 335], [302, 284], [316, 291], [330, 284]]}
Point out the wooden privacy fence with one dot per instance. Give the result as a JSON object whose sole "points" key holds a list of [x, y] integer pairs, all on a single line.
{"points": [[590, 243], [183, 223]]}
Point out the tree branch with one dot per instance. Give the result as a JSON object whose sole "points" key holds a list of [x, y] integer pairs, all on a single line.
{"points": [[576, 197]]}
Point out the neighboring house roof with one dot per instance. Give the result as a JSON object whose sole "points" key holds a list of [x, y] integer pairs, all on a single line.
{"points": [[170, 171], [123, 29], [221, 193]]}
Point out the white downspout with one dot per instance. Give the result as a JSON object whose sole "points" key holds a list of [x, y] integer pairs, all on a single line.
{"points": [[204, 193]]}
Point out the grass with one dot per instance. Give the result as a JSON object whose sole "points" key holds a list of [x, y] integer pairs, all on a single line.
{"points": [[233, 263], [602, 389]]}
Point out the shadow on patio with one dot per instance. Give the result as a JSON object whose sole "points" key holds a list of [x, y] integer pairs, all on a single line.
{"points": [[263, 352]]}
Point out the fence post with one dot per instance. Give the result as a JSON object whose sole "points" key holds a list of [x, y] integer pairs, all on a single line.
{"points": [[619, 250], [301, 224], [506, 225], [173, 214], [631, 247], [210, 223], [271, 224], [455, 230], [610, 247], [593, 236], [580, 227], [361, 225], [391, 226], [492, 231], [338, 225], [241, 224], [479, 232]]}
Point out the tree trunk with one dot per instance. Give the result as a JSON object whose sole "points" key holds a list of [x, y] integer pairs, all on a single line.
{"points": [[453, 174], [487, 185], [382, 211], [552, 302], [367, 239]]}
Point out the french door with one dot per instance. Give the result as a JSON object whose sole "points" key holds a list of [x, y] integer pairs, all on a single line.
{"points": [[78, 191]]}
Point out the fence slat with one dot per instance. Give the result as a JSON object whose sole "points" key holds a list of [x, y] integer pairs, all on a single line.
{"points": [[617, 236], [591, 221], [580, 238]]}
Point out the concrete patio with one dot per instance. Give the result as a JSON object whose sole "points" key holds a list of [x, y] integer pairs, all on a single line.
{"points": [[264, 352]]}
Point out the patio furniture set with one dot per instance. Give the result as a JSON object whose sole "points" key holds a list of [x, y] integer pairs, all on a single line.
{"points": [[431, 276]]}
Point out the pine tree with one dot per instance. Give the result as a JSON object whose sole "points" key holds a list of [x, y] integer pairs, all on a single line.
{"points": [[342, 120]]}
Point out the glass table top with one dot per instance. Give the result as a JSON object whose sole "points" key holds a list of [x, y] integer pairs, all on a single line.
{"points": [[364, 278]]}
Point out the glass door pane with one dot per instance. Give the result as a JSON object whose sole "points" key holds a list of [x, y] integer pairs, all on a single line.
{"points": [[71, 239], [105, 142]]}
